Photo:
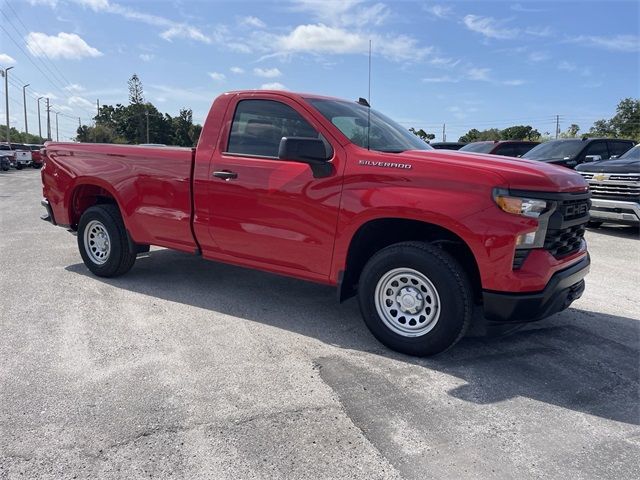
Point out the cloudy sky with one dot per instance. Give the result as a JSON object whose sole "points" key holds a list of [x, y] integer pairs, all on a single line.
{"points": [[467, 64]]}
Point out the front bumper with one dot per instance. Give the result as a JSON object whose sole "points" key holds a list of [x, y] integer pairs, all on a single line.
{"points": [[564, 287], [618, 211]]}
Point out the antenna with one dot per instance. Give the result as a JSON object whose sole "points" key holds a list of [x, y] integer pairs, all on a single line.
{"points": [[369, 101]]}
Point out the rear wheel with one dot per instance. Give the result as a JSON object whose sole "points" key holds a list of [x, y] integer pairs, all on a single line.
{"points": [[103, 242], [415, 298], [19, 166]]}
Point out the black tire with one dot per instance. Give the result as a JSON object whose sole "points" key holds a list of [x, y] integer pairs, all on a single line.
{"points": [[121, 258], [37, 166], [452, 287], [5, 169], [594, 224], [18, 167]]}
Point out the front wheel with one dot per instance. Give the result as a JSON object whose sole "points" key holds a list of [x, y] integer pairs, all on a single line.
{"points": [[19, 166], [103, 241], [415, 298]]}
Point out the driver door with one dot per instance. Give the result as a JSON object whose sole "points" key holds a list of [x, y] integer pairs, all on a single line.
{"points": [[266, 211]]}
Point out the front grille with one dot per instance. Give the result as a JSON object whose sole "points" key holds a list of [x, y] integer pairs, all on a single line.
{"points": [[566, 227], [614, 186], [564, 241]]}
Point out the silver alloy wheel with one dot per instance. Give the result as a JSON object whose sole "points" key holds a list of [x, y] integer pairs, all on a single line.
{"points": [[97, 243], [407, 302]]}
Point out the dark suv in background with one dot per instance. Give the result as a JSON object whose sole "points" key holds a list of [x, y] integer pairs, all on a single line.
{"points": [[574, 151], [506, 148]]}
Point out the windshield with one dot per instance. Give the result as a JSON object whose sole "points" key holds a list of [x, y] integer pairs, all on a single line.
{"points": [[351, 119], [478, 147], [555, 149], [633, 154]]}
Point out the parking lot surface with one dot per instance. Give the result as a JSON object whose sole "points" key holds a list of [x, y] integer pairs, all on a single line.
{"points": [[189, 369]]}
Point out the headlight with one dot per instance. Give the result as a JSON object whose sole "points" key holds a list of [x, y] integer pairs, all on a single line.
{"points": [[529, 207], [536, 208]]}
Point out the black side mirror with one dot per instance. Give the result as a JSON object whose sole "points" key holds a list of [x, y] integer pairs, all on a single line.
{"points": [[309, 150]]}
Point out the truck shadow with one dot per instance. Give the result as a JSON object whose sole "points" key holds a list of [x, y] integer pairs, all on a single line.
{"points": [[563, 361]]}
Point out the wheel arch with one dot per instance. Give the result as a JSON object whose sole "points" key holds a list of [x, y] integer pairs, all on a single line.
{"points": [[378, 233], [86, 194]]}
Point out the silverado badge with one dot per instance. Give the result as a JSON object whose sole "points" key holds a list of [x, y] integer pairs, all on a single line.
{"points": [[371, 163]]}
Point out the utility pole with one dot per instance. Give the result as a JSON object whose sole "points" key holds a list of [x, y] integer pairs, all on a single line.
{"points": [[48, 120], [24, 103], [79, 123], [39, 123], [557, 126], [98, 106], [444, 132], [5, 74], [57, 137]]}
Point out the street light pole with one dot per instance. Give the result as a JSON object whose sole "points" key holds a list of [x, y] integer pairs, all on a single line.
{"points": [[5, 74], [39, 122], [24, 103], [57, 137], [48, 120], [147, 113]]}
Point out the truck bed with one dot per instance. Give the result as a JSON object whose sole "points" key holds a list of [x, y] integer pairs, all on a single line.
{"points": [[152, 185]]}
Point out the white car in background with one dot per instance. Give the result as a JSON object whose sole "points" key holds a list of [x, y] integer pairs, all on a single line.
{"points": [[22, 155]]}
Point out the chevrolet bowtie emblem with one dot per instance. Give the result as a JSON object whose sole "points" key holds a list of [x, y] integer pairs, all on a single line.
{"points": [[600, 176]]}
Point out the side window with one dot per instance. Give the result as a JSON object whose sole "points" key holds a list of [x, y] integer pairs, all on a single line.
{"points": [[259, 125], [524, 148], [618, 148], [598, 148], [506, 150]]}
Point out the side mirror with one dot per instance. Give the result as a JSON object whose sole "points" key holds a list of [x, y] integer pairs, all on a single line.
{"points": [[593, 158], [571, 163], [309, 150]]}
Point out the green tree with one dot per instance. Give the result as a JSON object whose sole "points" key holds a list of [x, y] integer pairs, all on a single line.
{"points": [[519, 132], [427, 137], [475, 135], [19, 137], [624, 124], [571, 131]]}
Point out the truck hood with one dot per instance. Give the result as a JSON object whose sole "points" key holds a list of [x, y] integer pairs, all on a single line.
{"points": [[516, 173], [611, 166]]}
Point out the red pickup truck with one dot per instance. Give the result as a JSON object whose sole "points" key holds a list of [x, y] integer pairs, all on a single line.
{"points": [[334, 192]]}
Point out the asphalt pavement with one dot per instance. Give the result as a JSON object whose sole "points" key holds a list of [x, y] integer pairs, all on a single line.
{"points": [[190, 369]]}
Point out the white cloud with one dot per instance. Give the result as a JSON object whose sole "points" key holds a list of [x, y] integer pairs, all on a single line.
{"points": [[74, 88], [480, 74], [147, 57], [344, 13], [444, 62], [539, 56], [567, 66], [440, 11], [185, 31], [443, 79], [489, 27], [237, 70], [6, 59], [323, 39], [217, 76], [538, 31], [62, 108], [45, 3], [172, 28], [267, 72], [254, 22], [619, 43], [272, 86], [77, 101], [513, 83], [63, 45]]}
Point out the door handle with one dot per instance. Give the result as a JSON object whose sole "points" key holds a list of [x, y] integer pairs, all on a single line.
{"points": [[225, 175]]}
